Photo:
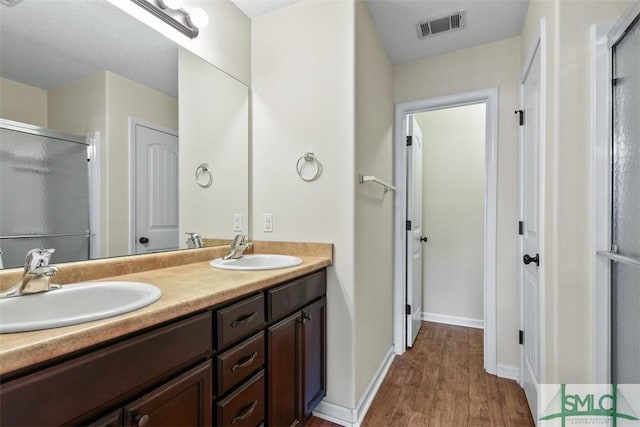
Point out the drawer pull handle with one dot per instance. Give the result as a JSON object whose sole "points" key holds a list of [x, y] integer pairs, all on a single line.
{"points": [[248, 411], [243, 319], [305, 317], [142, 420], [246, 362]]}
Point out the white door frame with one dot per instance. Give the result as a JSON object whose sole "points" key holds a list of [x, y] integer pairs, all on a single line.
{"points": [[539, 42], [603, 36], [490, 98], [133, 122]]}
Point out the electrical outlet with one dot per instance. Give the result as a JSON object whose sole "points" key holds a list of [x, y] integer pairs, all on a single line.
{"points": [[237, 222], [268, 223]]}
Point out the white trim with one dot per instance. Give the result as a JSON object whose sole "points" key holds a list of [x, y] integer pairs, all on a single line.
{"points": [[133, 122], [601, 132], [490, 97], [509, 372], [95, 207], [453, 320], [353, 417]]}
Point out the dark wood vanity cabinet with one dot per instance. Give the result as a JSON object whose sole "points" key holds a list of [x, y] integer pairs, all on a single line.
{"points": [[258, 361], [296, 351]]}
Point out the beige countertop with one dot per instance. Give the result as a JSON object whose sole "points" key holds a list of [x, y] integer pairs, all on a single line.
{"points": [[185, 289]]}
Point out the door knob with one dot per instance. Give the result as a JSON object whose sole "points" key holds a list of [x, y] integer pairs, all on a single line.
{"points": [[423, 239], [529, 259], [144, 240]]}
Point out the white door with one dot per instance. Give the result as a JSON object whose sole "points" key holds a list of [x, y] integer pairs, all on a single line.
{"points": [[156, 189], [530, 206], [414, 233]]}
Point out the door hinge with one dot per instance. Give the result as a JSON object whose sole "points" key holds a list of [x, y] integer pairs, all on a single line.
{"points": [[615, 81], [521, 337], [520, 116], [408, 309], [409, 141], [408, 225], [520, 228]]}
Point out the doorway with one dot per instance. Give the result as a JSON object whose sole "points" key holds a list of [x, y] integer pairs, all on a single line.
{"points": [[453, 214], [488, 97]]}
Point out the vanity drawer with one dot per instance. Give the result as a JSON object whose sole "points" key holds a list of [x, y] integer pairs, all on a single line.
{"points": [[287, 298], [240, 319], [239, 362], [244, 407], [92, 381]]}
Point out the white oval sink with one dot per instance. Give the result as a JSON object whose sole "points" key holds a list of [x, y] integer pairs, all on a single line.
{"points": [[257, 262], [73, 304]]}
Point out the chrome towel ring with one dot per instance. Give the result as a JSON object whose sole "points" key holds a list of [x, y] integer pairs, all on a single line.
{"points": [[203, 175], [309, 157]]}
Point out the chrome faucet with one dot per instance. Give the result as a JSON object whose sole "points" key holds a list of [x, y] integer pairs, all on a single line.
{"points": [[36, 276], [194, 241], [238, 246]]}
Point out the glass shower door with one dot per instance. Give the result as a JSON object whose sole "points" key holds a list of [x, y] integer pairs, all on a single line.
{"points": [[44, 193], [625, 209]]}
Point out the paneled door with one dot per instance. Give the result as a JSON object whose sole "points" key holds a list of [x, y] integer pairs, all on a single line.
{"points": [[156, 189], [414, 231], [530, 215]]}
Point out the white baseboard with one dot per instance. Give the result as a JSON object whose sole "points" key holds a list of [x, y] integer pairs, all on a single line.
{"points": [[453, 320], [509, 372], [353, 417]]}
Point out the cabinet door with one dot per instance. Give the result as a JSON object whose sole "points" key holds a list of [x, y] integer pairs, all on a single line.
{"points": [[283, 373], [313, 356], [184, 401]]}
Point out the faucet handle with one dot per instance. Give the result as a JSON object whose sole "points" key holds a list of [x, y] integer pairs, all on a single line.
{"points": [[38, 257], [238, 240]]}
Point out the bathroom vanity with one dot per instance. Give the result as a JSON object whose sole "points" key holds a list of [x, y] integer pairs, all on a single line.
{"points": [[241, 349]]}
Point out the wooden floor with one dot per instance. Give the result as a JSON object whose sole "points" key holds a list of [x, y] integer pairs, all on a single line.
{"points": [[441, 382]]}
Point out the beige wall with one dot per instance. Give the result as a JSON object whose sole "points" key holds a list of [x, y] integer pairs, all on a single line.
{"points": [[492, 65], [128, 99], [216, 132], [23, 103], [225, 42], [453, 210], [303, 101], [568, 213], [373, 209]]}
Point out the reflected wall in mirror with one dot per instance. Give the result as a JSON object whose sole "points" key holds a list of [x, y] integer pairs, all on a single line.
{"points": [[88, 69]]}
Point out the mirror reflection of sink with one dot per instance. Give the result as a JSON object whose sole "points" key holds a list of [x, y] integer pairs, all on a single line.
{"points": [[74, 304], [257, 262]]}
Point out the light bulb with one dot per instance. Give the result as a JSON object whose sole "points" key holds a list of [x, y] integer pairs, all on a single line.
{"points": [[170, 4], [198, 18]]}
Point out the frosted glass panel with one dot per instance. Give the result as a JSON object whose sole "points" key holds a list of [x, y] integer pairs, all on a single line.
{"points": [[68, 248], [626, 145], [625, 294], [44, 190], [625, 278]]}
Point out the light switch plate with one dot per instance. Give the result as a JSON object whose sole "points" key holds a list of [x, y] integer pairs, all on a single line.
{"points": [[268, 223], [237, 222]]}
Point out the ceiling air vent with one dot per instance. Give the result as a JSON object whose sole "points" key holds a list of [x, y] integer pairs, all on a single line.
{"points": [[440, 24]]}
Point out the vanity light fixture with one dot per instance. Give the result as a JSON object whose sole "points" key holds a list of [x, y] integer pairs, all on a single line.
{"points": [[173, 13]]}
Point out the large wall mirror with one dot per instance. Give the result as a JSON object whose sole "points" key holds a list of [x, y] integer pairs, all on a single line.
{"points": [[165, 131]]}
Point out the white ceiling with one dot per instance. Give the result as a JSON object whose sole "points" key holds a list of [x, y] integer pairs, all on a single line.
{"points": [[485, 21], [253, 8], [48, 43]]}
